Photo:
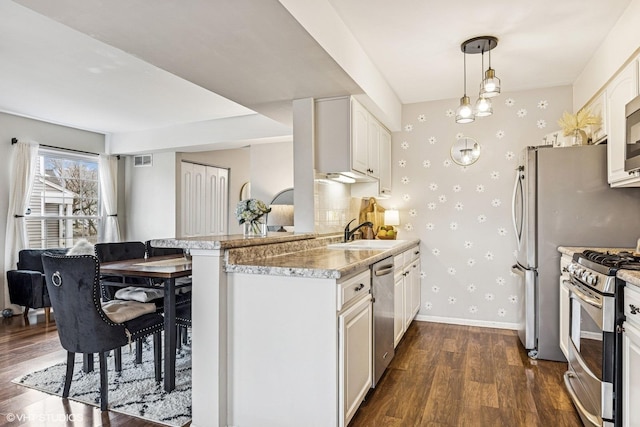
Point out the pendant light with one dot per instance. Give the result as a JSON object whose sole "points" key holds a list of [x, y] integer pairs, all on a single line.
{"points": [[464, 113], [483, 104], [491, 84]]}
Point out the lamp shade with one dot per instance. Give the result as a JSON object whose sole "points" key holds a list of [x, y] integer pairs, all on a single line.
{"points": [[280, 215], [391, 217]]}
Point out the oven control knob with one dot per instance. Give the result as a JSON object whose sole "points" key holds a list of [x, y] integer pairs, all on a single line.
{"points": [[592, 280], [585, 275]]}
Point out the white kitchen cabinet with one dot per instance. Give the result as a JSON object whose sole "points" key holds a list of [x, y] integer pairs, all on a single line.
{"points": [[300, 350], [631, 358], [598, 108], [406, 291], [622, 89], [356, 361], [415, 287], [565, 260], [350, 140], [398, 310]]}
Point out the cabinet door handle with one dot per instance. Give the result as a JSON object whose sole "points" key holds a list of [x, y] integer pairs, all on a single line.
{"points": [[359, 287], [634, 309]]}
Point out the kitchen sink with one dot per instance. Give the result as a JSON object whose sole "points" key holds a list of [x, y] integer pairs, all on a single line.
{"points": [[367, 245]]}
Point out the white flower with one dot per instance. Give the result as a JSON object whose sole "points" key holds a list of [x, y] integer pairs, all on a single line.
{"points": [[408, 226], [496, 203], [404, 145], [509, 155], [431, 206], [541, 124], [500, 281], [453, 226], [500, 134], [452, 300], [433, 186], [435, 289], [468, 244], [430, 226], [404, 180], [428, 305], [473, 309], [413, 212], [502, 312], [480, 188], [426, 163], [449, 113], [459, 135], [495, 175], [442, 198], [502, 231], [543, 104], [471, 287], [451, 271], [509, 102], [446, 163], [423, 274], [459, 206], [513, 299], [435, 251], [408, 128], [521, 112], [489, 256], [457, 188], [406, 197], [482, 218], [422, 118], [471, 262], [402, 163], [432, 140], [489, 297]]}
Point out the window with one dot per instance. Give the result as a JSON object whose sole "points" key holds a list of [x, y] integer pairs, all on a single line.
{"points": [[65, 201]]}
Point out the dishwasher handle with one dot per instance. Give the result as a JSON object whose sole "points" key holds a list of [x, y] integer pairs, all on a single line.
{"points": [[384, 270]]}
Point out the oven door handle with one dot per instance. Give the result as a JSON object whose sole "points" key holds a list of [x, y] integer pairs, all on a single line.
{"points": [[584, 413], [584, 297]]}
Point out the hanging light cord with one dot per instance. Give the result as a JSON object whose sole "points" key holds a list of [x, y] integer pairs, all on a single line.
{"points": [[464, 56]]}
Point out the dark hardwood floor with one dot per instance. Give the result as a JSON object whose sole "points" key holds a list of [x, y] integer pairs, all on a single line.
{"points": [[448, 375], [442, 375]]}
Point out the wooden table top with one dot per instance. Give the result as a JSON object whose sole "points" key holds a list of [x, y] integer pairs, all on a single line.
{"points": [[164, 267]]}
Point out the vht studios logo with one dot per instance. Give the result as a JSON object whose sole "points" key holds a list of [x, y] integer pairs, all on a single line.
{"points": [[41, 418]]}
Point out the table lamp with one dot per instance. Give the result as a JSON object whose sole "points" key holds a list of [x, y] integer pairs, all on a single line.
{"points": [[280, 215], [391, 219]]}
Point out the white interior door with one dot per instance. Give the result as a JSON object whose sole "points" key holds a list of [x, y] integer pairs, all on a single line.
{"points": [[204, 200]]}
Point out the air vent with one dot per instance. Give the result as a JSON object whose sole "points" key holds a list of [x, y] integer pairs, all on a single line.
{"points": [[142, 160]]}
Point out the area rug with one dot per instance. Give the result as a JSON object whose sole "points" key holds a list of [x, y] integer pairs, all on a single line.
{"points": [[133, 391]]}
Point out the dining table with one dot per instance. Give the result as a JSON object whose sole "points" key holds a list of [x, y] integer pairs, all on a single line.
{"points": [[168, 268]]}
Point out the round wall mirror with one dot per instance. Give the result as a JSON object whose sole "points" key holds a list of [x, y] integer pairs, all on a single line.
{"points": [[465, 151]]}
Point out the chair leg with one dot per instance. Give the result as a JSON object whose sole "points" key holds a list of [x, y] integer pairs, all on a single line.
{"points": [[117, 353], [71, 357], [185, 335], [138, 351], [25, 313], [178, 337], [87, 362], [47, 315], [104, 382], [157, 355]]}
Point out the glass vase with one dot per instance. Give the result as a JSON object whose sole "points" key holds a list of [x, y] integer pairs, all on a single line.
{"points": [[254, 229]]}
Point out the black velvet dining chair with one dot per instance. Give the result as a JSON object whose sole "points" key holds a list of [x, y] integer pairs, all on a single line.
{"points": [[84, 327], [118, 251]]}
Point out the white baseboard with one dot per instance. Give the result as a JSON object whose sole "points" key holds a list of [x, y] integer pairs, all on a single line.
{"points": [[467, 322]]}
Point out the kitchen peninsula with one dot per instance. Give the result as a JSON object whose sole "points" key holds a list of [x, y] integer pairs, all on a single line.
{"points": [[226, 270]]}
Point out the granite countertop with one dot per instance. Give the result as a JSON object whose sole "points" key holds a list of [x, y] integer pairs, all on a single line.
{"points": [[320, 262], [229, 241], [629, 276]]}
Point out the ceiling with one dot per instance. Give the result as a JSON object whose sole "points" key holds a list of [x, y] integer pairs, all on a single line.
{"points": [[123, 66]]}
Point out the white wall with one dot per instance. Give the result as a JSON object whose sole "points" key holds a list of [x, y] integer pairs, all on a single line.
{"points": [[43, 133], [463, 215], [271, 170], [150, 201]]}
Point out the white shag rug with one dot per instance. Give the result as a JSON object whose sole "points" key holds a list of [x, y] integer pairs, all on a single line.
{"points": [[133, 391]]}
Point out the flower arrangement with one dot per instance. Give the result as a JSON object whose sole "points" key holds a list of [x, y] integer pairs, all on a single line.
{"points": [[575, 124], [251, 211]]}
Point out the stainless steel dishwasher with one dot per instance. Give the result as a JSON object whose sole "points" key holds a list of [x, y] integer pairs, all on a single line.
{"points": [[382, 292]]}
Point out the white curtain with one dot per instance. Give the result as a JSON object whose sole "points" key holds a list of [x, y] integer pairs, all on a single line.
{"points": [[23, 163], [108, 187]]}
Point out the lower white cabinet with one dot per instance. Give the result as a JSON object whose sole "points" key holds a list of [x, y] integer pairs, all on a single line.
{"points": [[631, 358], [564, 305], [355, 356], [407, 295]]}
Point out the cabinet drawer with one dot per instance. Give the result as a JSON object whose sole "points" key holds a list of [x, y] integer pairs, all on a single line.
{"points": [[352, 287], [411, 254], [632, 304]]}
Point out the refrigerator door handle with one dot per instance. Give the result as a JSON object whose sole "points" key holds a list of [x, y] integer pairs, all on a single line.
{"points": [[517, 232]]}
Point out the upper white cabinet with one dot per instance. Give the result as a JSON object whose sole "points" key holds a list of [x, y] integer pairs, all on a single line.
{"points": [[350, 140], [622, 89], [598, 107]]}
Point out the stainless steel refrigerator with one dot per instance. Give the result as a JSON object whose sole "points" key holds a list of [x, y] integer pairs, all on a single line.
{"points": [[561, 197]]}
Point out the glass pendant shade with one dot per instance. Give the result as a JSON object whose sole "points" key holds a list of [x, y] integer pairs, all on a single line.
{"points": [[490, 85], [465, 151], [464, 113], [483, 107]]}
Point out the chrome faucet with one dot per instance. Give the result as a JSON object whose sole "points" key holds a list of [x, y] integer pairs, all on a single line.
{"points": [[348, 234]]}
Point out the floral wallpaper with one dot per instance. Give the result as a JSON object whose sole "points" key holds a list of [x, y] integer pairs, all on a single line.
{"points": [[462, 215]]}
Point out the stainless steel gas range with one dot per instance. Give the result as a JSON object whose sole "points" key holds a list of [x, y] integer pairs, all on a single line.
{"points": [[596, 315]]}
